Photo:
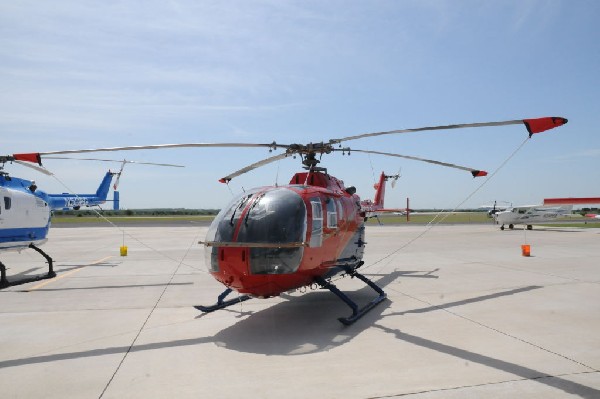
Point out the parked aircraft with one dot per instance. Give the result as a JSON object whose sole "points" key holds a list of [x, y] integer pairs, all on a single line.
{"points": [[551, 209]]}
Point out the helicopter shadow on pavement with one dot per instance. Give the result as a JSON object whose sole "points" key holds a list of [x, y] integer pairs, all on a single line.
{"points": [[523, 372], [307, 323], [559, 382]]}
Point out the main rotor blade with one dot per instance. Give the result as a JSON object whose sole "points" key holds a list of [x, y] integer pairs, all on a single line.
{"points": [[474, 172], [255, 165], [116, 160], [533, 126], [162, 146], [32, 166]]}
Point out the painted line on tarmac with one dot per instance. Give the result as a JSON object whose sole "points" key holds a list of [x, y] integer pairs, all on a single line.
{"points": [[67, 274]]}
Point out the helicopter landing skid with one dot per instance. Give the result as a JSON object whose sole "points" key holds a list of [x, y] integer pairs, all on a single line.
{"points": [[356, 312], [51, 274], [221, 303]]}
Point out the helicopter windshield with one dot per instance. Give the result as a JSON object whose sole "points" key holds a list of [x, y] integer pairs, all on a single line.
{"points": [[274, 216], [224, 224]]}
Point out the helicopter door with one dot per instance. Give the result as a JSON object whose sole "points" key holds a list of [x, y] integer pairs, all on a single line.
{"points": [[316, 235]]}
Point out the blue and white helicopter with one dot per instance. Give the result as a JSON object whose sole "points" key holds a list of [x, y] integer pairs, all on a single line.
{"points": [[26, 211]]}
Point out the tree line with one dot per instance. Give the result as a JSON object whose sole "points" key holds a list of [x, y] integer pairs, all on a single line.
{"points": [[138, 212]]}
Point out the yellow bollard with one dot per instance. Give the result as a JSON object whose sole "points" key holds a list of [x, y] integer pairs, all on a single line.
{"points": [[123, 250], [526, 250]]}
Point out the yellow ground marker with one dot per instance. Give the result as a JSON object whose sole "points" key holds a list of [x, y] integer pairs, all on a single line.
{"points": [[58, 277]]}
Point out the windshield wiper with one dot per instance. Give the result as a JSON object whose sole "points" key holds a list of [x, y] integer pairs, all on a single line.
{"points": [[240, 205], [256, 201]]}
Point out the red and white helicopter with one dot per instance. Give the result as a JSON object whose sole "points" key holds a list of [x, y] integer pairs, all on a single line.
{"points": [[273, 239]]}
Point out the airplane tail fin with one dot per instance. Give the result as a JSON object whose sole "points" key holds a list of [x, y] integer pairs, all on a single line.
{"points": [[380, 191]]}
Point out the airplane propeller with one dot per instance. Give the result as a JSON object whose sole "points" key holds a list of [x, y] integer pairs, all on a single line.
{"points": [[308, 152]]}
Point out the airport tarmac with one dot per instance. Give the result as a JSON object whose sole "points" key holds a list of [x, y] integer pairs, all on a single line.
{"points": [[467, 316]]}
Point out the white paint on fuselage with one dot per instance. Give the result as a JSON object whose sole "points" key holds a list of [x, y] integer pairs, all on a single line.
{"points": [[20, 210]]}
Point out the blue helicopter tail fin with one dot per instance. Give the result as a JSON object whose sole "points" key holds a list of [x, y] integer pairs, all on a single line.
{"points": [[76, 201], [104, 187]]}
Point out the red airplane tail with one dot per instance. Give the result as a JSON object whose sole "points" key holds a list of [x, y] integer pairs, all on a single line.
{"points": [[380, 191], [375, 207]]}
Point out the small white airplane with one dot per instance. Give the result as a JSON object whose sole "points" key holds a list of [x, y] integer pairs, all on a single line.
{"points": [[552, 209], [531, 214]]}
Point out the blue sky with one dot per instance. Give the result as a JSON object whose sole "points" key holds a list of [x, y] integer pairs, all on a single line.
{"points": [[82, 74]]}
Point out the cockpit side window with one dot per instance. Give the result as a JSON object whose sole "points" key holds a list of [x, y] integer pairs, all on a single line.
{"points": [[316, 237], [332, 217], [339, 208], [7, 203]]}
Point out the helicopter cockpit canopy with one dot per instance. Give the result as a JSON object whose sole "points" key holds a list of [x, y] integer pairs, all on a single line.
{"points": [[262, 218]]}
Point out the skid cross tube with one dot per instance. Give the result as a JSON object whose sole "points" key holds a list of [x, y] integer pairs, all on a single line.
{"points": [[221, 303], [356, 312], [4, 282]]}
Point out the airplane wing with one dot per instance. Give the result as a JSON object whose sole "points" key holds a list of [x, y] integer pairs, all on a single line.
{"points": [[572, 201]]}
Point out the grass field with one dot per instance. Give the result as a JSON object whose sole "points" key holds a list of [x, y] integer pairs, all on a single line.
{"points": [[457, 217], [450, 217]]}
